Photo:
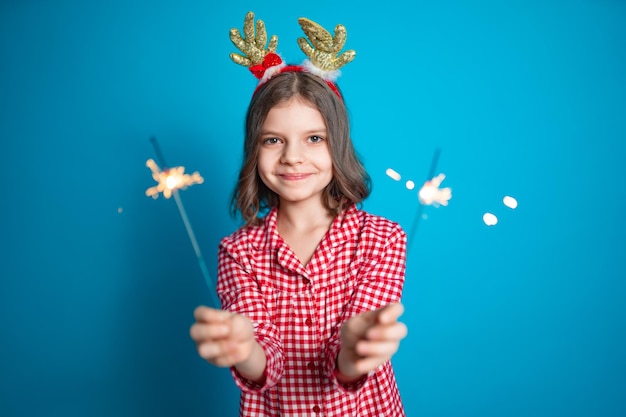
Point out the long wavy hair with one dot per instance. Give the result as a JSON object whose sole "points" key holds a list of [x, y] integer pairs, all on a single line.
{"points": [[350, 183]]}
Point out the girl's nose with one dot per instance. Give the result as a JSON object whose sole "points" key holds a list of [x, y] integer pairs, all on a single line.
{"points": [[292, 154]]}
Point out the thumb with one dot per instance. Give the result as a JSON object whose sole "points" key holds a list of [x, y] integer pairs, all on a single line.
{"points": [[390, 313]]}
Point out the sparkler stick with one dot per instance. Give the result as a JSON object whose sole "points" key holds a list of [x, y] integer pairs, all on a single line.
{"points": [[172, 183], [157, 151], [196, 248], [420, 207]]}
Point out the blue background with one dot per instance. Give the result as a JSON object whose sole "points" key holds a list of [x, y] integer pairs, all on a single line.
{"points": [[524, 98]]}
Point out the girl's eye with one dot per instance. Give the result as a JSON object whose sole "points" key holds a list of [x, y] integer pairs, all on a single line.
{"points": [[271, 141], [316, 139]]}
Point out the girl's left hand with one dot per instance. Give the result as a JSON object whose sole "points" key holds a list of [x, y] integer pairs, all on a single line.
{"points": [[222, 338]]}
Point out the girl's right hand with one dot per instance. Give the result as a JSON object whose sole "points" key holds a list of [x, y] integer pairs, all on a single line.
{"points": [[368, 340], [222, 338]]}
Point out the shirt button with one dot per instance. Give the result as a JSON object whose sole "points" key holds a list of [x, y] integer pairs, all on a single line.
{"points": [[305, 281], [308, 322], [311, 365], [316, 409]]}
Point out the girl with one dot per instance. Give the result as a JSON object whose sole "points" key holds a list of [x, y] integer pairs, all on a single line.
{"points": [[310, 291]]}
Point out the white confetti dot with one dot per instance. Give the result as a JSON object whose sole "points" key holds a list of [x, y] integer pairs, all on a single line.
{"points": [[120, 210], [510, 202], [490, 219], [393, 174], [410, 185]]}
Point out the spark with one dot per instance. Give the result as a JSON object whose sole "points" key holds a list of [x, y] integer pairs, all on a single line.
{"points": [[170, 180], [431, 195]]}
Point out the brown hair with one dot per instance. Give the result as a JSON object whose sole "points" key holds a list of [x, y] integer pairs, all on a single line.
{"points": [[350, 183]]}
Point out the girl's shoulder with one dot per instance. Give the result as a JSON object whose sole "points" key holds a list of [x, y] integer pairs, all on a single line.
{"points": [[375, 236], [378, 225], [372, 233], [245, 236], [252, 237]]}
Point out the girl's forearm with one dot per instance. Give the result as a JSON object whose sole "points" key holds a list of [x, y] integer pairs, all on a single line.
{"points": [[253, 368], [346, 373]]}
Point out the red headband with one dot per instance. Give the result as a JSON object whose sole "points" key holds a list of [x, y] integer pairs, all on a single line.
{"points": [[320, 47], [273, 64]]}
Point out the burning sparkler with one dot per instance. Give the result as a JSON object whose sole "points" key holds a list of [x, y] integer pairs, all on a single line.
{"points": [[169, 182], [430, 194]]}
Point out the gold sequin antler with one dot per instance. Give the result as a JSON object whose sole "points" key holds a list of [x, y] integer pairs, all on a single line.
{"points": [[323, 49], [254, 54]]}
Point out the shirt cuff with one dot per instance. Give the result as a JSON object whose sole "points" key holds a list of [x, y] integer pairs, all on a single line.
{"points": [[273, 367], [350, 387], [330, 370]]}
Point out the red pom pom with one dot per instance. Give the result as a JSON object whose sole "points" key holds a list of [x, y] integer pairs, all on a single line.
{"points": [[258, 70], [271, 59]]}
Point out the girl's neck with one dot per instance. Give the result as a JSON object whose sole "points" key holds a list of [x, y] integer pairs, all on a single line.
{"points": [[302, 218], [303, 228]]}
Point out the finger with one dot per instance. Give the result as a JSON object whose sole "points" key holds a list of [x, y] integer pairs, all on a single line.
{"points": [[383, 349], [207, 314], [368, 364], [203, 332], [222, 353], [225, 361], [390, 313], [395, 331], [241, 329], [357, 326], [240, 324], [217, 353]]}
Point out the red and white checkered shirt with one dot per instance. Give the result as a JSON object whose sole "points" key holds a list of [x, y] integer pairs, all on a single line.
{"points": [[297, 312]]}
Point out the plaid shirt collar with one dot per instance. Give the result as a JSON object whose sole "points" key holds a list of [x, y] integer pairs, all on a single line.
{"points": [[343, 229]]}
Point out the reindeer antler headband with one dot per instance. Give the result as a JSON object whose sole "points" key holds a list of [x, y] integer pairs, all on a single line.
{"points": [[320, 47]]}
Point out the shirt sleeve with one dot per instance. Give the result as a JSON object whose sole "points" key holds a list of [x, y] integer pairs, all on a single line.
{"points": [[239, 293], [379, 282]]}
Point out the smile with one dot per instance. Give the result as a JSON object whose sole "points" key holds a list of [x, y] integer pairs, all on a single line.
{"points": [[294, 177]]}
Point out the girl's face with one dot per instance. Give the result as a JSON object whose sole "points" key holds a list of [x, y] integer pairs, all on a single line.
{"points": [[294, 159]]}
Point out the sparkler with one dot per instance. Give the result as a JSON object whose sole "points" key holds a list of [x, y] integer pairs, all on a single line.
{"points": [[430, 194], [169, 181]]}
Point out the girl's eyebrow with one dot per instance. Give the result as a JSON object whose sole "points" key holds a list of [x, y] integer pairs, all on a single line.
{"points": [[318, 130]]}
